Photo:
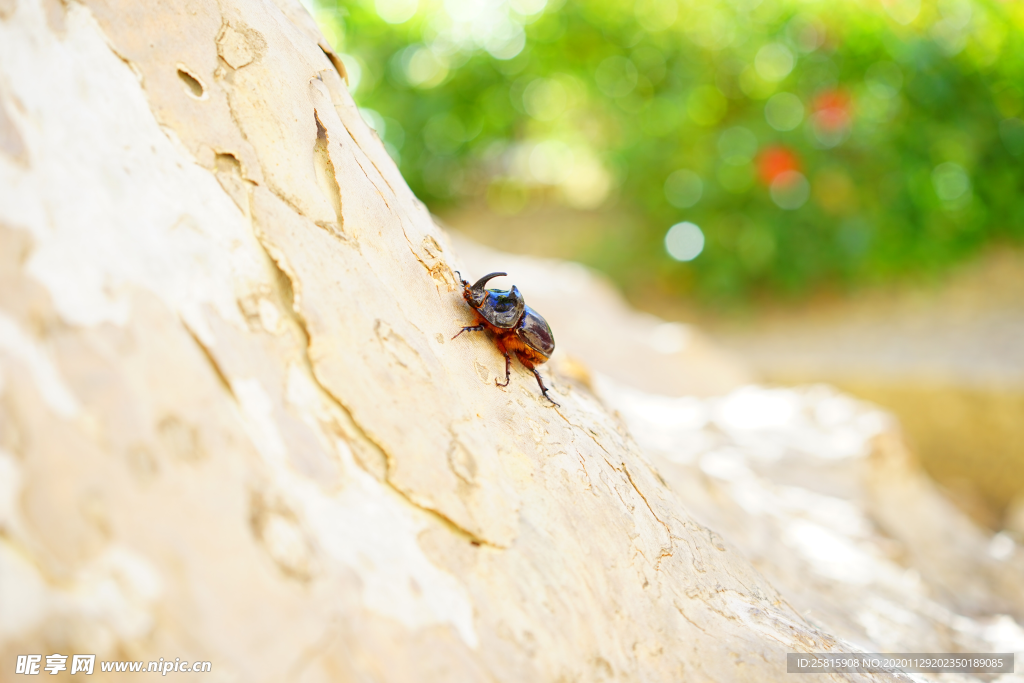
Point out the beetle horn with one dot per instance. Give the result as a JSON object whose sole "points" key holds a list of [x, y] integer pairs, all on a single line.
{"points": [[483, 281]]}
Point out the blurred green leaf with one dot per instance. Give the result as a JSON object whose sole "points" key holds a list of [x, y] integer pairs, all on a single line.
{"points": [[814, 144]]}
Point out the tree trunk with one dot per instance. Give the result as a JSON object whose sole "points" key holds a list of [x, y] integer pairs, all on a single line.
{"points": [[234, 427]]}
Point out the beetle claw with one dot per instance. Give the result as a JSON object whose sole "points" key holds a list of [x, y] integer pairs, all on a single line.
{"points": [[543, 389]]}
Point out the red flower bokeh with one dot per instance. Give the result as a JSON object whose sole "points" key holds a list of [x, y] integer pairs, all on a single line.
{"points": [[775, 160], [832, 109]]}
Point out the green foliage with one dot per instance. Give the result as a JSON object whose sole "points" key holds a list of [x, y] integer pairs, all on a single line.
{"points": [[827, 143]]}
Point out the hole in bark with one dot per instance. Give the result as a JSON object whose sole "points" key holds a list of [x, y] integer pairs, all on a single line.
{"points": [[228, 163], [192, 83], [326, 175]]}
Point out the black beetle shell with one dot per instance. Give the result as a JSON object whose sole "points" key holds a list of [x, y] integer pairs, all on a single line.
{"points": [[503, 308], [536, 333]]}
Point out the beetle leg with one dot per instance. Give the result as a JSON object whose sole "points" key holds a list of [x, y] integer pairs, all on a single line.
{"points": [[471, 328], [543, 389], [508, 365]]}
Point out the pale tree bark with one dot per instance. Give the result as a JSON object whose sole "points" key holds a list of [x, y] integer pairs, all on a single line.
{"points": [[233, 426]]}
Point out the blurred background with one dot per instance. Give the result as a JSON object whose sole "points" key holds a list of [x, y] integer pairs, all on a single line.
{"points": [[829, 189]]}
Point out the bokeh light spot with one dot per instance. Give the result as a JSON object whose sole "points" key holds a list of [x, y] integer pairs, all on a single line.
{"points": [[902, 11], [656, 15], [588, 184], [616, 76], [710, 27], [790, 190], [544, 99], [830, 122], [683, 188], [773, 62], [737, 146], [684, 241], [422, 67], [950, 35], [506, 40], [956, 12], [753, 86], [550, 162], [807, 34], [774, 161], [951, 182], [784, 111], [528, 8], [834, 108], [396, 11], [374, 120]]}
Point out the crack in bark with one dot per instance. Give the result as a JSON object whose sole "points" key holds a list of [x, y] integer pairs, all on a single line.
{"points": [[375, 167], [646, 502], [694, 623], [665, 552], [136, 71], [295, 314], [585, 431], [382, 177], [208, 355], [300, 321], [586, 473]]}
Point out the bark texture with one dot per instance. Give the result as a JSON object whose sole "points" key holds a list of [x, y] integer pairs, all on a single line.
{"points": [[233, 426]]}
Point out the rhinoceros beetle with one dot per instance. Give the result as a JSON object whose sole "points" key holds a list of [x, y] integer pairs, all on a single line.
{"points": [[517, 328]]}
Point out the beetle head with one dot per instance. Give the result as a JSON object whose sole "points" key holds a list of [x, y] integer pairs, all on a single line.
{"points": [[476, 295]]}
